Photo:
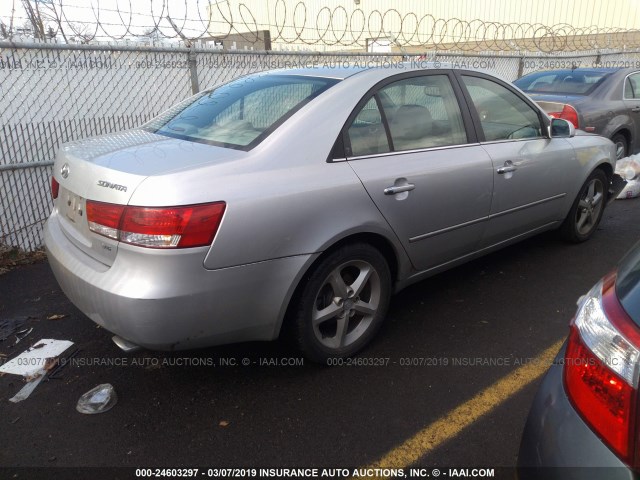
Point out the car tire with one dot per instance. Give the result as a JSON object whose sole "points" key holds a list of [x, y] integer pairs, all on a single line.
{"points": [[587, 209], [622, 147], [342, 303]]}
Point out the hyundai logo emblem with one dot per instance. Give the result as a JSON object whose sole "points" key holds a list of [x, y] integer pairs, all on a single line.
{"points": [[64, 171]]}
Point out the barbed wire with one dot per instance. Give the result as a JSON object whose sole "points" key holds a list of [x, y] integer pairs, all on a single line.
{"points": [[292, 23]]}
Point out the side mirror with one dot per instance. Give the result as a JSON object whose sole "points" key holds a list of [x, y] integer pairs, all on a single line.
{"points": [[561, 128]]}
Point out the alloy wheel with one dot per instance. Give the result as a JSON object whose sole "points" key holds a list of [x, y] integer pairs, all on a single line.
{"points": [[346, 304], [590, 206], [621, 148]]}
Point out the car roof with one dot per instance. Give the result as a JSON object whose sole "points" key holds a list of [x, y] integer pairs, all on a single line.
{"points": [[320, 70]]}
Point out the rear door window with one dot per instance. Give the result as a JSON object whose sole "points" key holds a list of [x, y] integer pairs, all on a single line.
{"points": [[410, 114], [423, 112]]}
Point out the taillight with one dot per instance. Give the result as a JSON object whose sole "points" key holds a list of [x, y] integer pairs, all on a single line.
{"points": [[601, 368], [157, 227], [104, 218], [55, 187], [568, 113]]}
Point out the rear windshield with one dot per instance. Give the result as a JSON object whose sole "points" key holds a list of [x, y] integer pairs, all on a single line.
{"points": [[239, 114], [628, 283], [569, 82]]}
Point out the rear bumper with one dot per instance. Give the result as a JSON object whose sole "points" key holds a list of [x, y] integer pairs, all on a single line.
{"points": [[167, 300], [558, 444]]}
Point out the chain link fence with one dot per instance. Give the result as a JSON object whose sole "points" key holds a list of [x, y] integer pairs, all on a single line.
{"points": [[51, 94]]}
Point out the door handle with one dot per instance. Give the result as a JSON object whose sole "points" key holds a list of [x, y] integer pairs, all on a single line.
{"points": [[506, 168], [635, 109], [399, 189]]}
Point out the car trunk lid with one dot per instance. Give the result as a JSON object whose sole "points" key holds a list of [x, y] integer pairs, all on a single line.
{"points": [[551, 103], [109, 168]]}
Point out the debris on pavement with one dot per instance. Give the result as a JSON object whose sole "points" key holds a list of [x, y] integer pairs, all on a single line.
{"points": [[223, 423], [629, 169], [23, 334], [28, 389], [32, 361], [11, 257], [34, 364], [97, 400], [56, 317], [10, 325], [63, 361]]}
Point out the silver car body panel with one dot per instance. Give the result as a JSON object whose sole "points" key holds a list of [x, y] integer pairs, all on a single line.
{"points": [[434, 222], [190, 307], [286, 204], [534, 194]]}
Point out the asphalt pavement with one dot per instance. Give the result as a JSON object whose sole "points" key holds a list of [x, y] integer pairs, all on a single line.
{"points": [[259, 405]]}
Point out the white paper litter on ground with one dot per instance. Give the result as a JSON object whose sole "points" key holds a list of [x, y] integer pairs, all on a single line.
{"points": [[629, 169], [28, 389], [34, 360]]}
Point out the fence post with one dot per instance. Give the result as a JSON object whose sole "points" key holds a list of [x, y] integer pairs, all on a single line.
{"points": [[193, 70], [520, 66]]}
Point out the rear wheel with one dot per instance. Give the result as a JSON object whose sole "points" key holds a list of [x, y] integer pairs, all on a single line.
{"points": [[622, 148], [586, 211], [342, 303]]}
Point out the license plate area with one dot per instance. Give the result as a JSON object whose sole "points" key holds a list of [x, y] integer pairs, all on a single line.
{"points": [[74, 224], [73, 207]]}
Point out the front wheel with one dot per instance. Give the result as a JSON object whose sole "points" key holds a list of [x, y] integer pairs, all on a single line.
{"points": [[586, 211], [343, 303]]}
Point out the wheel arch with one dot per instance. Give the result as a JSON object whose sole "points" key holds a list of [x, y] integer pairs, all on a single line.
{"points": [[606, 168], [626, 133], [602, 164], [567, 227], [396, 260]]}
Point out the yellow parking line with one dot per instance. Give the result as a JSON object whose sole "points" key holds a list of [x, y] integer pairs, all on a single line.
{"points": [[455, 421]]}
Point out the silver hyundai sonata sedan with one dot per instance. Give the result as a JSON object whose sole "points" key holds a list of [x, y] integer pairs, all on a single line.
{"points": [[298, 200]]}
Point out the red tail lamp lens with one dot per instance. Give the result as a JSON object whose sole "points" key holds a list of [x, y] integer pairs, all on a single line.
{"points": [[157, 227]]}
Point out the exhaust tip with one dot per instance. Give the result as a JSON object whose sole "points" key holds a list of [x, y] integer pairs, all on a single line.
{"points": [[125, 345]]}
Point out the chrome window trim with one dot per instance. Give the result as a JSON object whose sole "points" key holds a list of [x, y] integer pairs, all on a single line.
{"points": [[510, 140], [419, 150]]}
